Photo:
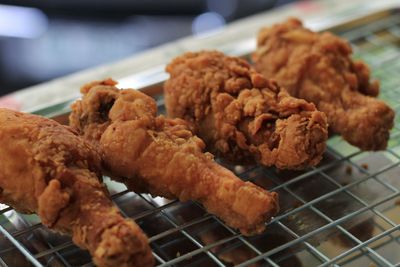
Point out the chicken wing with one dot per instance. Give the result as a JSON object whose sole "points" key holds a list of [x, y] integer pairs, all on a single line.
{"points": [[241, 115], [162, 156], [318, 68], [47, 169]]}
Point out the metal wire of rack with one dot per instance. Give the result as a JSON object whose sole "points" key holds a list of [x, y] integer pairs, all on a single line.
{"points": [[345, 211]]}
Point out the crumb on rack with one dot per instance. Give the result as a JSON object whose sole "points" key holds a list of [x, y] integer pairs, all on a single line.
{"points": [[291, 217], [397, 202], [364, 166], [239, 169], [297, 204], [349, 170]]}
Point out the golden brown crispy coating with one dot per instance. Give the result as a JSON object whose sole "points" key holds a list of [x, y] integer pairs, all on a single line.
{"points": [[318, 68], [162, 156], [47, 169], [241, 115]]}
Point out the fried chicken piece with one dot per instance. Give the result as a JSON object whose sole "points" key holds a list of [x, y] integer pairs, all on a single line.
{"points": [[162, 157], [241, 115], [47, 169], [318, 68]]}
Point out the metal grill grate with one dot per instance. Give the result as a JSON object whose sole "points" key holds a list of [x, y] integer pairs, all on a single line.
{"points": [[345, 211]]}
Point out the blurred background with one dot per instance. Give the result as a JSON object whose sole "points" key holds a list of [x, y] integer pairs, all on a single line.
{"points": [[41, 40]]}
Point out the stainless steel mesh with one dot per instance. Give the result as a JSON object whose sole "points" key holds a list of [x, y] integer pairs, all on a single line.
{"points": [[344, 212]]}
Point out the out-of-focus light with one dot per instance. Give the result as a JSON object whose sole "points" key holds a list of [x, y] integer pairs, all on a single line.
{"points": [[22, 22], [226, 8], [206, 22]]}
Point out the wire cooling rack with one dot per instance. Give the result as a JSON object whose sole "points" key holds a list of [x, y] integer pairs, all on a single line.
{"points": [[344, 212]]}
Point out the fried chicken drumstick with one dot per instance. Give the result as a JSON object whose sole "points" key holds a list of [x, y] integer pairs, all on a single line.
{"points": [[318, 68], [161, 156], [47, 169], [242, 115]]}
